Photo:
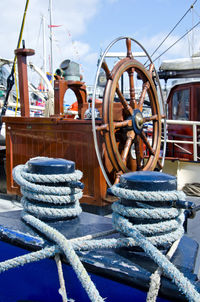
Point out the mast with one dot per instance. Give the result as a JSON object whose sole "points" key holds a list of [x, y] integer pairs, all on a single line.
{"points": [[44, 48], [51, 40]]}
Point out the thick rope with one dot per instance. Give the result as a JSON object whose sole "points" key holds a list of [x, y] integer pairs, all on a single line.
{"points": [[52, 200], [161, 225], [93, 245], [155, 278], [134, 232], [69, 252], [167, 230], [192, 189], [148, 196], [170, 270], [48, 206], [62, 290]]}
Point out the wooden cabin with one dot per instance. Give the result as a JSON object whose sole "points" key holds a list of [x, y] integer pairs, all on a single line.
{"points": [[57, 136], [183, 105]]}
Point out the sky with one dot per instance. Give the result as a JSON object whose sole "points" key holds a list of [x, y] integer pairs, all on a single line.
{"points": [[88, 26]]}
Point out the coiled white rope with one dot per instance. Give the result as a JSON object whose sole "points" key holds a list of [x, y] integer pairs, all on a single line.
{"points": [[161, 224], [49, 201], [167, 230], [54, 202], [122, 223]]}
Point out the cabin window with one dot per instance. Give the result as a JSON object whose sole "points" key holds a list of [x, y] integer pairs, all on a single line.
{"points": [[181, 105], [197, 112]]}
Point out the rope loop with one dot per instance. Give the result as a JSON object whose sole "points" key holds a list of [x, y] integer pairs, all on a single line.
{"points": [[141, 224], [162, 224], [49, 197]]}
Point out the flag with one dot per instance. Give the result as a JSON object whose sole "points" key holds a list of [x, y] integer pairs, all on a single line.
{"points": [[50, 26]]}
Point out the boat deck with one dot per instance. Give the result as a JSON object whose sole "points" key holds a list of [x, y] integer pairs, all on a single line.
{"points": [[117, 264], [11, 203]]}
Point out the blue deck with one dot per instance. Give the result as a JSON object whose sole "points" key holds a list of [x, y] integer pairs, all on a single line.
{"points": [[118, 274]]}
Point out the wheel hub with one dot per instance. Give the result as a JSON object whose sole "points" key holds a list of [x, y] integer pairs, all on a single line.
{"points": [[137, 121]]}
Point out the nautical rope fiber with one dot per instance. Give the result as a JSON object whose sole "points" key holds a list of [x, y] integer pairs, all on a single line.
{"points": [[45, 200], [40, 201], [155, 278], [162, 225], [192, 189], [62, 289], [147, 237], [134, 235]]}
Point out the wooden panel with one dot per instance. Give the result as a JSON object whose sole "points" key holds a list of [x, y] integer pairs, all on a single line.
{"points": [[54, 137]]}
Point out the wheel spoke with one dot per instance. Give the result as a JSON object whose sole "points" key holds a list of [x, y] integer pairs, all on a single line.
{"points": [[128, 46], [118, 174], [126, 106], [122, 124], [104, 127], [137, 152], [151, 67], [107, 70], [145, 140], [132, 89], [145, 87], [130, 137], [150, 118]]}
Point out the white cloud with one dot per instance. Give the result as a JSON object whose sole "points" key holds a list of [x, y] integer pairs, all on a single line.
{"points": [[72, 15], [91, 58]]}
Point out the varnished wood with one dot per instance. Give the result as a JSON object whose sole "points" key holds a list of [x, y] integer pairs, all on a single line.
{"points": [[117, 144], [126, 106], [21, 54], [137, 151], [145, 140], [55, 137], [145, 87], [132, 88], [128, 46], [60, 88], [130, 137]]}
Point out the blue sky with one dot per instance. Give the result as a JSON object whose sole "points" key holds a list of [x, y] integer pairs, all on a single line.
{"points": [[88, 26]]}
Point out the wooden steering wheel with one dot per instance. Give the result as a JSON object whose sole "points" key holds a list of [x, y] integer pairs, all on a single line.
{"points": [[132, 141]]}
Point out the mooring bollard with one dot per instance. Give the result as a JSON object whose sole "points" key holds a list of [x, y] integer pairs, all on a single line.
{"points": [[50, 187], [150, 202]]}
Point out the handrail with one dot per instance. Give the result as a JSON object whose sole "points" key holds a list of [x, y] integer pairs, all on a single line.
{"points": [[194, 141]]}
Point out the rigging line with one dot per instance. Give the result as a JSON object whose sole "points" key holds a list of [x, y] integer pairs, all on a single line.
{"points": [[21, 30], [38, 37], [177, 41], [191, 6]]}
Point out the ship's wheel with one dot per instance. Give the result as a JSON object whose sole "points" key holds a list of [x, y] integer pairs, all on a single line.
{"points": [[132, 139]]}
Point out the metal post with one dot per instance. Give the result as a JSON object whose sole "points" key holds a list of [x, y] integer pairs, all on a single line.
{"points": [[44, 48], [194, 142], [51, 40]]}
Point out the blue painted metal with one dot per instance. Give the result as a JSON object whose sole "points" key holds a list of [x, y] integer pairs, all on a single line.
{"points": [[39, 282], [148, 181], [51, 166], [118, 274]]}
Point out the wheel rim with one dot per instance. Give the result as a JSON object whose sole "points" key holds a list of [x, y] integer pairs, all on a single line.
{"points": [[135, 133], [111, 143]]}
